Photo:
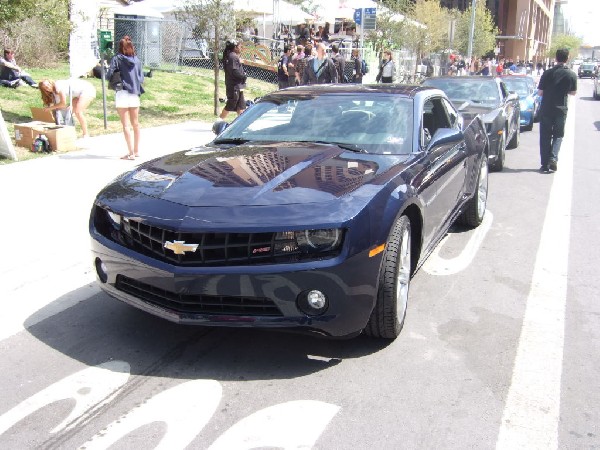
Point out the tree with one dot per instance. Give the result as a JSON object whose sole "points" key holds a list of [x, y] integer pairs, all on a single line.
{"points": [[213, 20], [484, 38], [567, 41], [427, 31], [37, 31]]}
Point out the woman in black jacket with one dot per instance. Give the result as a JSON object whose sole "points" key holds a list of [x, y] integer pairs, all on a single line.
{"points": [[235, 79]]}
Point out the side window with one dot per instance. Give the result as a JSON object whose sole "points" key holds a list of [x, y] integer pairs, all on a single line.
{"points": [[504, 90], [452, 114], [434, 117]]}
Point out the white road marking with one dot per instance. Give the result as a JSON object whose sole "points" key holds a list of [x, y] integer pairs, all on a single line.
{"points": [[185, 408], [90, 387], [436, 265], [296, 424], [531, 413]]}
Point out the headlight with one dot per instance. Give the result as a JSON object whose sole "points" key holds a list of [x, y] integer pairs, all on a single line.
{"points": [[308, 241], [114, 218], [318, 240]]}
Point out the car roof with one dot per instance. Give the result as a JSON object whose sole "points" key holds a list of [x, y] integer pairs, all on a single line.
{"points": [[408, 91], [462, 77]]}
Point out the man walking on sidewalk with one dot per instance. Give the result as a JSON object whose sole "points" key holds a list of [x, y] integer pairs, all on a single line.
{"points": [[555, 84]]}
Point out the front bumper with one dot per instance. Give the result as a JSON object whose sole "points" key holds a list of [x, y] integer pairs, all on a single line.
{"points": [[178, 293]]}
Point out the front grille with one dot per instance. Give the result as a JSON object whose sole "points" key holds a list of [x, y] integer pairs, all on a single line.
{"points": [[214, 248], [198, 304]]}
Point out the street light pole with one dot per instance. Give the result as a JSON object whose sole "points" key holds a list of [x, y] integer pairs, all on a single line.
{"points": [[471, 31]]}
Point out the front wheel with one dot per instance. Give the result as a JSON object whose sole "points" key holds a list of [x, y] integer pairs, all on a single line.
{"points": [[499, 162], [387, 317], [514, 140], [475, 207]]}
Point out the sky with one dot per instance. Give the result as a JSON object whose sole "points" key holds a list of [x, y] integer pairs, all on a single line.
{"points": [[583, 16]]}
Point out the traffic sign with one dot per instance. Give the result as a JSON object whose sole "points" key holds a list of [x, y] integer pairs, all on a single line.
{"points": [[358, 16], [370, 19]]}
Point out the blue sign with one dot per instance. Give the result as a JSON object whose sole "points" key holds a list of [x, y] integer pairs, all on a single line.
{"points": [[358, 16], [370, 19]]}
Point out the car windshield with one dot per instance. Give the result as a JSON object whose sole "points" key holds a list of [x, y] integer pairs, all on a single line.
{"points": [[476, 90], [588, 67], [377, 123], [520, 86]]}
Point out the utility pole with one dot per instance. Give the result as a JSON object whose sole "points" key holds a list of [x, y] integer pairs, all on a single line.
{"points": [[471, 31]]}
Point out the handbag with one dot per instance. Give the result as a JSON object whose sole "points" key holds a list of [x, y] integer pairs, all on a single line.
{"points": [[115, 82]]}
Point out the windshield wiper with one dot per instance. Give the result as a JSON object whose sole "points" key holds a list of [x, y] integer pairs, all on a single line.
{"points": [[351, 147], [237, 141]]}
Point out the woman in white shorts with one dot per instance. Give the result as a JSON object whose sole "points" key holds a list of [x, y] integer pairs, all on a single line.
{"points": [[127, 99], [55, 95]]}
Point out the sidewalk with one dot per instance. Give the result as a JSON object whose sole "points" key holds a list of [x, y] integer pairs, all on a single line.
{"points": [[156, 141], [45, 204]]}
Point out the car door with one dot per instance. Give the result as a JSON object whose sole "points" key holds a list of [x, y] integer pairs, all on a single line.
{"points": [[510, 104], [446, 166]]}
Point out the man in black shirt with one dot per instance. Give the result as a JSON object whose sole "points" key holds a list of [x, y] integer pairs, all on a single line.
{"points": [[555, 84]]}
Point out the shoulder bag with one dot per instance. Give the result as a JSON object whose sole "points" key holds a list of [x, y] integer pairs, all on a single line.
{"points": [[115, 82]]}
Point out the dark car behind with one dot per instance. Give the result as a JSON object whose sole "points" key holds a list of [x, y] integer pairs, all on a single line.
{"points": [[489, 98]]}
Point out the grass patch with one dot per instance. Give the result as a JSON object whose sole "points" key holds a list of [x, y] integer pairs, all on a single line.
{"points": [[171, 97]]}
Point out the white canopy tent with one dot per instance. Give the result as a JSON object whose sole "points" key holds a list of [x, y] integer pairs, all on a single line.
{"points": [[141, 9]]}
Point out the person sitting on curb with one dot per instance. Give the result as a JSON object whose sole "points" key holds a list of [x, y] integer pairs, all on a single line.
{"points": [[11, 75]]}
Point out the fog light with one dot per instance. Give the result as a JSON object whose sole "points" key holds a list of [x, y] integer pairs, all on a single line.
{"points": [[316, 299], [312, 303], [101, 270]]}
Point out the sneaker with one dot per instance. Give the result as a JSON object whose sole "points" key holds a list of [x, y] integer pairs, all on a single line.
{"points": [[553, 166], [544, 169], [15, 84], [34, 85]]}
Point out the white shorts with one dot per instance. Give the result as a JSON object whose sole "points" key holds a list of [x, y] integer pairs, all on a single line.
{"points": [[124, 99]]}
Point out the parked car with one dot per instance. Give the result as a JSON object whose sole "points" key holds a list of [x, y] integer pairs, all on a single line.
{"points": [[310, 212], [587, 70], [489, 97], [529, 100], [596, 89]]}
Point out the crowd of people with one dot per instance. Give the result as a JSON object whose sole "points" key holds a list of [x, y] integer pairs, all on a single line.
{"points": [[457, 65]]}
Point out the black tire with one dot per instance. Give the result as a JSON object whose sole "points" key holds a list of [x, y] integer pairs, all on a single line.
{"points": [[387, 317], [515, 139], [474, 211], [499, 162]]}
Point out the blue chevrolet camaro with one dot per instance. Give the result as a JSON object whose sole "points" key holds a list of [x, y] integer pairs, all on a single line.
{"points": [[525, 87], [310, 212]]}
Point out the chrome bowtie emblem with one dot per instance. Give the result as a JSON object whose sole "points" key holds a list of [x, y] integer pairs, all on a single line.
{"points": [[180, 247]]}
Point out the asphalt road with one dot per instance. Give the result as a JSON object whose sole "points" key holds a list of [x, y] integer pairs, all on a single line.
{"points": [[499, 349]]}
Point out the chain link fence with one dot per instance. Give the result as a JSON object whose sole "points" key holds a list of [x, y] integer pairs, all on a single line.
{"points": [[169, 45]]}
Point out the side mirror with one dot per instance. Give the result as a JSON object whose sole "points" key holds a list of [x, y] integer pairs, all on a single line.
{"points": [[443, 136], [219, 126], [512, 96]]}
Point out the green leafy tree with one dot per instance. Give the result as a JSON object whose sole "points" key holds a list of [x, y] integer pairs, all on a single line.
{"points": [[213, 20], [427, 31], [37, 31], [388, 34], [484, 37], [568, 41]]}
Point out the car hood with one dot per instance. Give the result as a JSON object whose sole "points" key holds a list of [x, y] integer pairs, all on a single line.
{"points": [[258, 175], [470, 110]]}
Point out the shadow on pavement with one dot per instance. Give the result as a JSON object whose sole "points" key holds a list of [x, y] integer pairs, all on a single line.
{"points": [[101, 328]]}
